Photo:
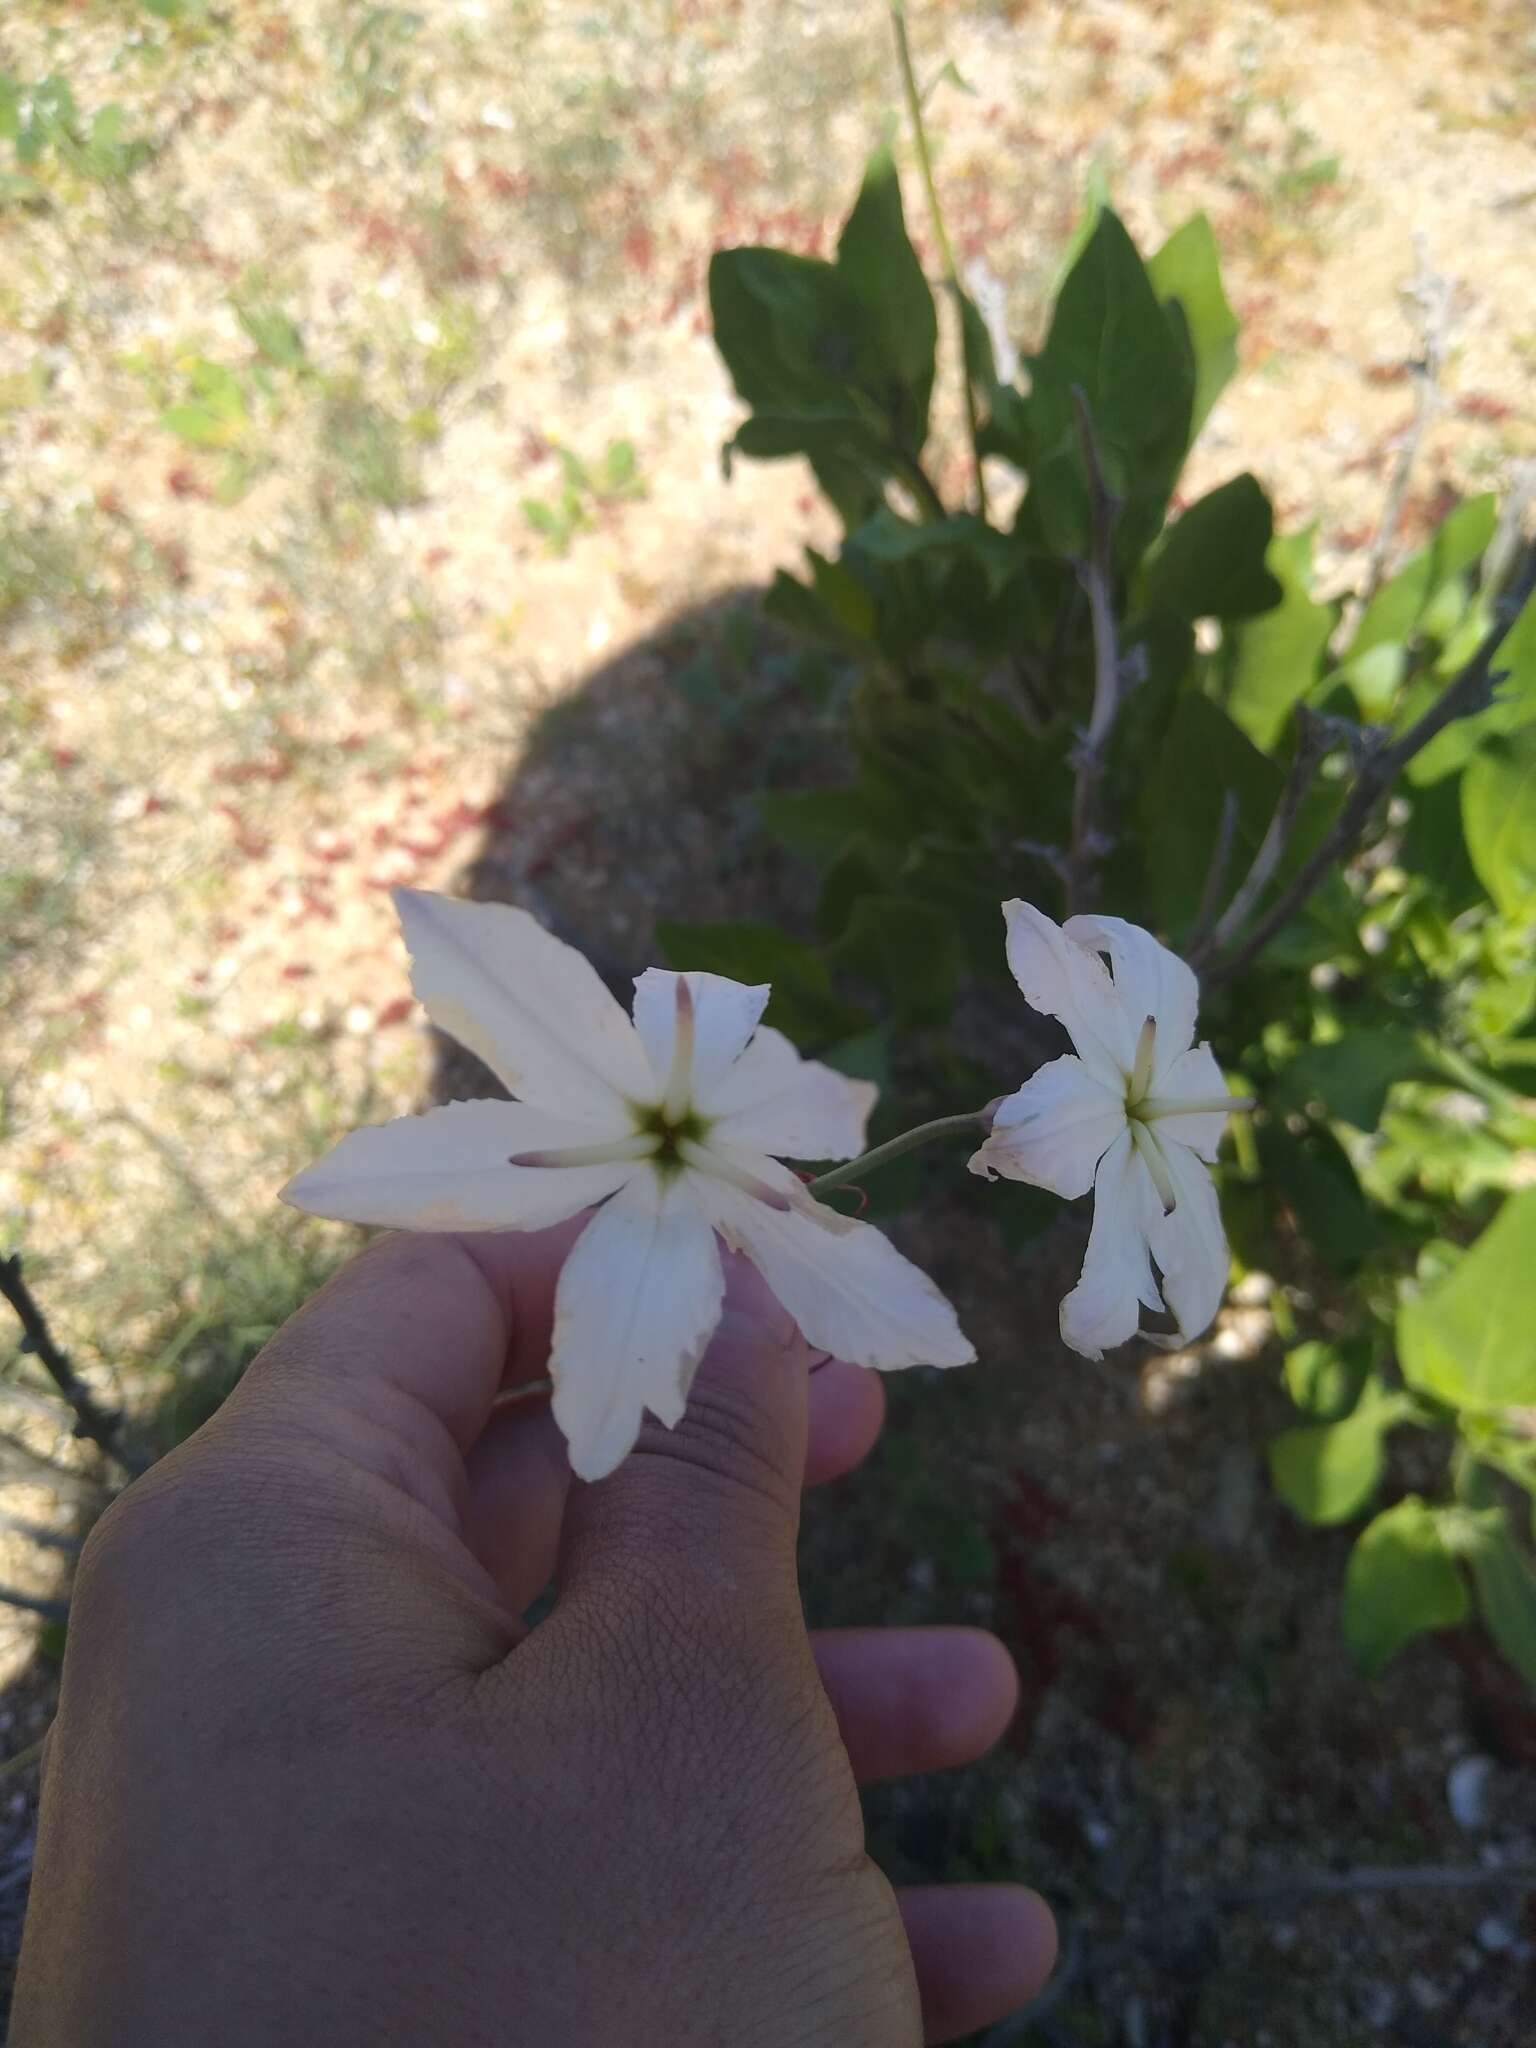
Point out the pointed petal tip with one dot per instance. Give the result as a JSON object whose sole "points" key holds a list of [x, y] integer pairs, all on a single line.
{"points": [[406, 900]]}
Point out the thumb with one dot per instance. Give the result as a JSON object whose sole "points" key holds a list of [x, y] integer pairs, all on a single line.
{"points": [[710, 1509]]}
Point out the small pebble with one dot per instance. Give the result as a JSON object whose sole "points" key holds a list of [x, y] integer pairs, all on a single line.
{"points": [[1378, 2006], [1466, 1790], [1426, 1994]]}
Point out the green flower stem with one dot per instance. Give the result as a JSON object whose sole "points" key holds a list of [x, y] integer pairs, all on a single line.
{"points": [[940, 232], [921, 1134]]}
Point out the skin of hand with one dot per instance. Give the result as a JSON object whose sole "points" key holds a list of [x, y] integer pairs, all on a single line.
{"points": [[313, 1780]]}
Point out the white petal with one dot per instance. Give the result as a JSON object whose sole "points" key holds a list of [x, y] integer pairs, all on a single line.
{"points": [[637, 1302], [1149, 982], [1195, 1077], [1104, 1308], [725, 1015], [1070, 983], [1055, 1130], [849, 1289], [448, 1169], [1190, 1245], [526, 1003], [775, 1101]]}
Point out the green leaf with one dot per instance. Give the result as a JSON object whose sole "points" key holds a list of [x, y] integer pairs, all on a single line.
{"points": [[1097, 195], [1506, 1597], [1188, 268], [836, 607], [1396, 615], [1211, 562], [200, 425], [1352, 1076], [1434, 846], [865, 1058], [784, 325], [1472, 1339], [853, 875], [1274, 659], [804, 1004], [1324, 1380], [910, 951], [878, 264], [1401, 1580], [1204, 756], [1498, 812], [814, 823], [274, 336], [1512, 710], [1314, 1178], [1327, 1472], [836, 360], [1110, 338]]}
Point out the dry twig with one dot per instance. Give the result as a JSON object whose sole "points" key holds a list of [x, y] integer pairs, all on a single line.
{"points": [[103, 1426], [1382, 761]]}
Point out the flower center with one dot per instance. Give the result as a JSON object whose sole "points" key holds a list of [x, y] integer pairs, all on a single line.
{"points": [[669, 1131], [1143, 1107]]}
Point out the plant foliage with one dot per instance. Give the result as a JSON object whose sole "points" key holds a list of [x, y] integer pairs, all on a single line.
{"points": [[1383, 1021]]}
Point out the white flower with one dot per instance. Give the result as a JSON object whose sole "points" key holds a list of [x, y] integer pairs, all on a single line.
{"points": [[1133, 1117], [670, 1123]]}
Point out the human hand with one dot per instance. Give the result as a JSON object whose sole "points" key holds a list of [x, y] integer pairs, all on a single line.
{"points": [[313, 1780]]}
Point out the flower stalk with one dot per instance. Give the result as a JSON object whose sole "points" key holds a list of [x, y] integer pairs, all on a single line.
{"points": [[893, 1148], [940, 232]]}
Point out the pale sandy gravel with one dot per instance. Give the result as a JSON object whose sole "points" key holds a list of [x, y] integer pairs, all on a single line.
{"points": [[736, 120]]}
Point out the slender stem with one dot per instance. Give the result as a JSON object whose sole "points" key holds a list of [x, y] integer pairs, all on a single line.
{"points": [[527, 1390], [1097, 577], [893, 1148], [101, 1425], [13, 1766], [33, 1603], [940, 232], [1311, 746], [1467, 694], [920, 484], [1199, 939]]}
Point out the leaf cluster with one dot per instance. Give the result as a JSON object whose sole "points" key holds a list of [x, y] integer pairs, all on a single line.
{"points": [[1385, 1026]]}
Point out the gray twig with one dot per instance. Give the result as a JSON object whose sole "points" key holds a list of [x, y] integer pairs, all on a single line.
{"points": [[1519, 497], [35, 1532], [1431, 296], [1382, 761], [103, 1426], [13, 1766], [1097, 576], [1197, 944], [31, 1603], [1314, 735]]}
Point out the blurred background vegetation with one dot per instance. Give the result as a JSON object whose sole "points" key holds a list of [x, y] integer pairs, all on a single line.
{"points": [[361, 522]]}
